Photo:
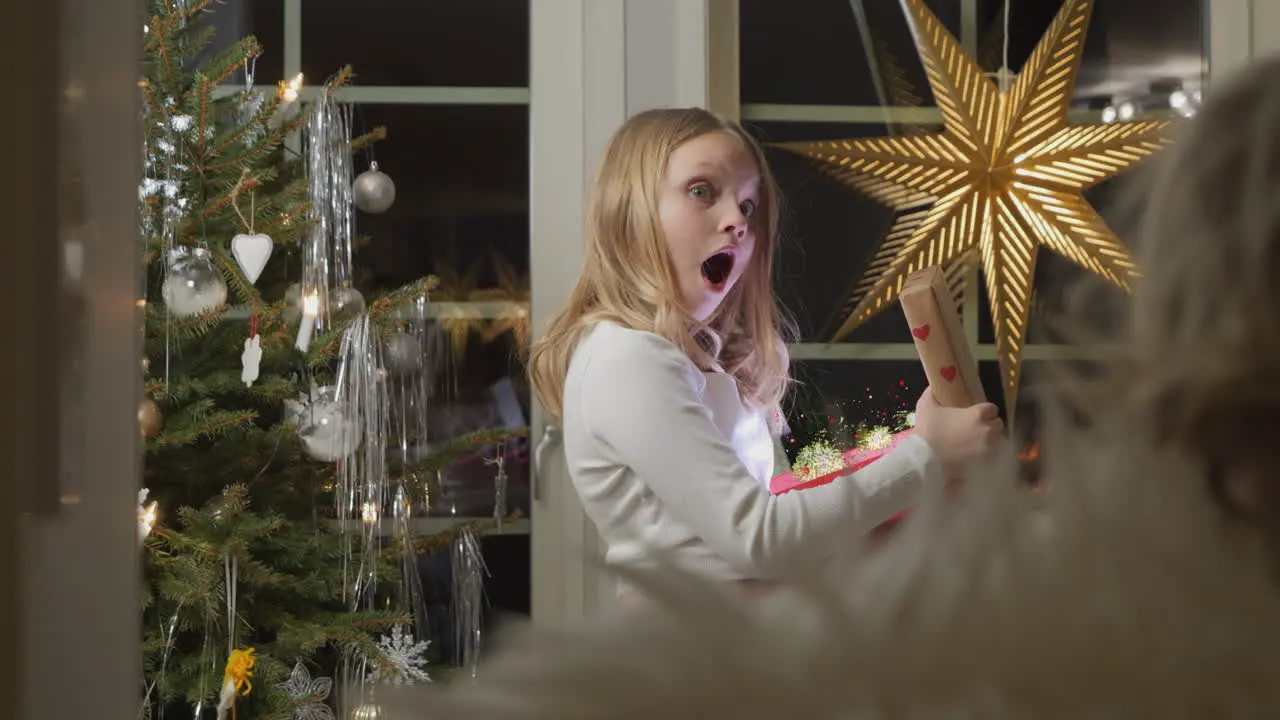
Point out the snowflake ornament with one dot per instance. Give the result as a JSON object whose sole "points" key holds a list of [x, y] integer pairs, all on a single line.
{"points": [[308, 695], [403, 660]]}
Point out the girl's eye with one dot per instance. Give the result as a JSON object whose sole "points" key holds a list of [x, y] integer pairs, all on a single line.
{"points": [[748, 208], [701, 191]]}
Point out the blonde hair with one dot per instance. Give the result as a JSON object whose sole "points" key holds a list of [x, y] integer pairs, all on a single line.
{"points": [[1198, 364], [627, 276]]}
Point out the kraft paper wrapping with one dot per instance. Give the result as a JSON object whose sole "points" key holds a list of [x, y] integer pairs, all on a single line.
{"points": [[939, 338]]}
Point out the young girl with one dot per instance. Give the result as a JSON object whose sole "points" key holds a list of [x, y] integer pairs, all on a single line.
{"points": [[663, 365], [1146, 587]]}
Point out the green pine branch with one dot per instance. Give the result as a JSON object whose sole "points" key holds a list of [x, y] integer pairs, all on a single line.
{"points": [[193, 387], [193, 42], [201, 421], [290, 578], [238, 286], [234, 483], [165, 327], [450, 452], [443, 540], [373, 136], [382, 313], [219, 68]]}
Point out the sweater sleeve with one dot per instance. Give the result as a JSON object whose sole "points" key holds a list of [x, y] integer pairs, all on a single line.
{"points": [[639, 401]]}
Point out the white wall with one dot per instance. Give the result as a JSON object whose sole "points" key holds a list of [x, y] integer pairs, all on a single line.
{"points": [[1265, 27], [1230, 42], [1239, 31]]}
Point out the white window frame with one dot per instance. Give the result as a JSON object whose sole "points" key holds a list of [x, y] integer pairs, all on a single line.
{"points": [[400, 95]]}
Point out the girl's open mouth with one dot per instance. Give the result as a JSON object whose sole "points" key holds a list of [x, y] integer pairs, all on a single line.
{"points": [[716, 269]]}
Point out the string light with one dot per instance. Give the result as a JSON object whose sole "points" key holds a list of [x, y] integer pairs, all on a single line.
{"points": [[1184, 103], [288, 89], [146, 515]]}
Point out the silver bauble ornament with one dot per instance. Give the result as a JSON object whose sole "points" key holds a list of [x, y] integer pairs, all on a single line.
{"points": [[328, 429], [373, 191], [192, 284], [345, 303], [220, 509], [403, 353]]}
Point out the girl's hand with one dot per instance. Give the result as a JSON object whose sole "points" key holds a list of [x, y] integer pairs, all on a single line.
{"points": [[958, 436]]}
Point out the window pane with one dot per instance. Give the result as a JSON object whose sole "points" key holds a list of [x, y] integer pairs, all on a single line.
{"points": [[232, 20], [458, 43], [810, 52], [830, 234], [1131, 53], [461, 212]]}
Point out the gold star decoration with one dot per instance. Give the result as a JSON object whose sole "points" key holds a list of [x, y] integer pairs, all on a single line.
{"points": [[513, 291], [452, 298], [458, 316], [1004, 177]]}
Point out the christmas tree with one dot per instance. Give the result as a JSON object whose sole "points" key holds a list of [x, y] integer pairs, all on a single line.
{"points": [[279, 407]]}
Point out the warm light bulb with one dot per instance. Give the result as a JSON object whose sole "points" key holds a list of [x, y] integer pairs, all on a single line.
{"points": [[310, 309], [369, 513], [289, 90], [146, 520]]}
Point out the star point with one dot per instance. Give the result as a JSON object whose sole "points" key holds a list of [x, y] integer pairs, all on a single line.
{"points": [[1005, 176]]}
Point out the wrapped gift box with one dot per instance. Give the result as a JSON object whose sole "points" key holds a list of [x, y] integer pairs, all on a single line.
{"points": [[939, 338], [948, 364], [854, 459]]}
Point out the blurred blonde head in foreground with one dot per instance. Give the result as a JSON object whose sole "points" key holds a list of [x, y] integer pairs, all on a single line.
{"points": [[1144, 587]]}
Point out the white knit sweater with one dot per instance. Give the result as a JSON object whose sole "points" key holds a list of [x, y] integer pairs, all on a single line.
{"points": [[671, 467]]}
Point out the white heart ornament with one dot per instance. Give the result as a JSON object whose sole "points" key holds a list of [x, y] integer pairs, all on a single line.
{"points": [[252, 252]]}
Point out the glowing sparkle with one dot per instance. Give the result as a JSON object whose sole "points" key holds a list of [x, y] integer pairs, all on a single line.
{"points": [[818, 459]]}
